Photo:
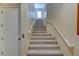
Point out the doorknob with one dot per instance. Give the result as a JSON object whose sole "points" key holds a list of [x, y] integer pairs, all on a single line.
{"points": [[19, 39]]}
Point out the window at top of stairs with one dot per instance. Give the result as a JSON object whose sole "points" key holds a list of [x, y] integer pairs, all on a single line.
{"points": [[38, 14]]}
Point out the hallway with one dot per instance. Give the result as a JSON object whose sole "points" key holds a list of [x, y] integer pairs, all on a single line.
{"points": [[39, 29]]}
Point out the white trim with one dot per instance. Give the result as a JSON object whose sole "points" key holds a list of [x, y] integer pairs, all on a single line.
{"points": [[62, 35], [9, 6]]}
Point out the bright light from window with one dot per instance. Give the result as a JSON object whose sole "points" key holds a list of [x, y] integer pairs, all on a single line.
{"points": [[39, 5], [38, 14]]}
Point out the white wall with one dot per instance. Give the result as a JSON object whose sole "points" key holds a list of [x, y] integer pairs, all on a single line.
{"points": [[65, 18]]}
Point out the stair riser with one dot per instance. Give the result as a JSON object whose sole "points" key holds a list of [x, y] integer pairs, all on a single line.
{"points": [[43, 42], [41, 35], [39, 27], [44, 48], [39, 31], [45, 55], [42, 39]]}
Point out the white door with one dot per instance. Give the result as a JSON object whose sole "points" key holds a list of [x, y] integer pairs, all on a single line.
{"points": [[10, 24]]}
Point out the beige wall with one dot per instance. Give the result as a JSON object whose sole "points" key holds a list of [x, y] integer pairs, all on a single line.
{"points": [[65, 18], [26, 21], [9, 4], [23, 28]]}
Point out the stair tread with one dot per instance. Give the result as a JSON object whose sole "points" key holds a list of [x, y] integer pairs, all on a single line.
{"points": [[45, 48], [52, 38], [43, 41], [41, 37], [41, 34], [39, 28], [43, 45], [45, 52], [39, 31]]}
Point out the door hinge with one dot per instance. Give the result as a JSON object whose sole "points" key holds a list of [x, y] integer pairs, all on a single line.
{"points": [[1, 25], [1, 12], [2, 52], [2, 38]]}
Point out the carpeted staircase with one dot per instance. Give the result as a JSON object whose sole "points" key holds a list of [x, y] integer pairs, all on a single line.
{"points": [[43, 44]]}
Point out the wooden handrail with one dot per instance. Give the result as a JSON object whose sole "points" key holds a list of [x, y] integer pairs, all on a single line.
{"points": [[31, 26]]}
